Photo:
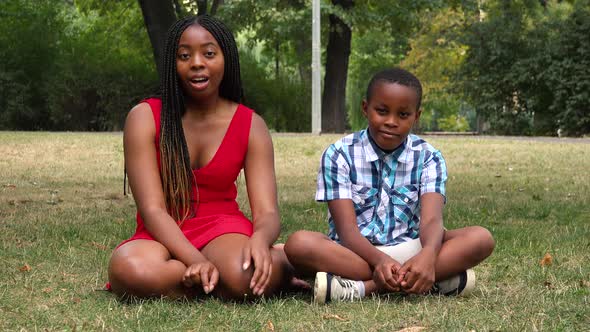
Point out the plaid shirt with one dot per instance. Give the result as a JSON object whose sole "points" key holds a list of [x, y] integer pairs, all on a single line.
{"points": [[385, 188]]}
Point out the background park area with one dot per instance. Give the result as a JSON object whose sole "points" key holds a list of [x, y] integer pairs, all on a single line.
{"points": [[71, 70]]}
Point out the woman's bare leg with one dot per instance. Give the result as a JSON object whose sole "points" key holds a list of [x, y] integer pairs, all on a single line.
{"points": [[144, 268], [225, 252]]}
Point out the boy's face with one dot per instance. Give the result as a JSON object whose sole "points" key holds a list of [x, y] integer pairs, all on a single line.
{"points": [[391, 113]]}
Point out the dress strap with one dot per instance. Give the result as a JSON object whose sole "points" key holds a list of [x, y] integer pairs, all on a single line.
{"points": [[240, 131], [156, 106]]}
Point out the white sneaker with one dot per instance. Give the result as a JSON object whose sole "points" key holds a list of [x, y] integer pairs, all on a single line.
{"points": [[460, 285], [328, 287]]}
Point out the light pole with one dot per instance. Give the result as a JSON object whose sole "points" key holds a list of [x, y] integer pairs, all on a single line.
{"points": [[316, 84]]}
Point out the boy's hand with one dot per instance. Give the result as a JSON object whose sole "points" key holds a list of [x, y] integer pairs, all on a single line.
{"points": [[204, 274], [258, 251], [385, 274], [416, 276]]}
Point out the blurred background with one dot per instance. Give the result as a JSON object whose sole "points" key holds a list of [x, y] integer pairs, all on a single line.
{"points": [[499, 67]]}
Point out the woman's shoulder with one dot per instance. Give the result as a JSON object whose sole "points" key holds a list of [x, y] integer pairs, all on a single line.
{"points": [[142, 117]]}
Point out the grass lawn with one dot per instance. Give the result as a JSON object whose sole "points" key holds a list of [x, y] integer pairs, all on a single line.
{"points": [[62, 211]]}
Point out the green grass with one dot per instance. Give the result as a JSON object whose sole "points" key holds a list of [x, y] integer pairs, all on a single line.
{"points": [[62, 212]]}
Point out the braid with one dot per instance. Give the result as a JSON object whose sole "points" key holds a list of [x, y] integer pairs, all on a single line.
{"points": [[176, 172]]}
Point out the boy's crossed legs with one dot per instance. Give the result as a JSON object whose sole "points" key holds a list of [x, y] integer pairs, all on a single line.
{"points": [[312, 252]]}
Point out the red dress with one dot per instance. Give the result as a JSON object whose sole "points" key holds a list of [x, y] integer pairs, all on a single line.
{"points": [[217, 211]]}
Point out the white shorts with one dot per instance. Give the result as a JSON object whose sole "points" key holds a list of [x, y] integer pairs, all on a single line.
{"points": [[403, 251]]}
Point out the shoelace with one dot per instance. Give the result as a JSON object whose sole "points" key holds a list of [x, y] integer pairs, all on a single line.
{"points": [[349, 289]]}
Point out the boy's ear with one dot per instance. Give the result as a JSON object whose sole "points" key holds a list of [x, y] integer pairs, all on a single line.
{"points": [[365, 107], [418, 112]]}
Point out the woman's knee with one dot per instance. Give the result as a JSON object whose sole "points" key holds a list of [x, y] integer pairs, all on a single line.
{"points": [[300, 244], [234, 281], [134, 276]]}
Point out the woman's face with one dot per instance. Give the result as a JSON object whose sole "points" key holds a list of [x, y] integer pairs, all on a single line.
{"points": [[199, 63]]}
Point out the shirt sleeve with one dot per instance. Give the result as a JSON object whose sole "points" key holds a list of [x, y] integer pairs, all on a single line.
{"points": [[333, 180], [434, 175]]}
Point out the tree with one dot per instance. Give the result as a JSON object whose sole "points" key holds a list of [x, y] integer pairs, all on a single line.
{"points": [[394, 20], [337, 55], [158, 16], [527, 70]]}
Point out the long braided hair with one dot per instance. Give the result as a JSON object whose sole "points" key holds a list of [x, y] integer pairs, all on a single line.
{"points": [[176, 172]]}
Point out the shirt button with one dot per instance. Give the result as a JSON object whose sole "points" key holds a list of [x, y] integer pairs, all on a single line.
{"points": [[406, 200]]}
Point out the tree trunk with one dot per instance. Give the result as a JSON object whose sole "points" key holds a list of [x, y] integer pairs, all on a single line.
{"points": [[214, 6], [337, 55], [158, 16], [201, 7]]}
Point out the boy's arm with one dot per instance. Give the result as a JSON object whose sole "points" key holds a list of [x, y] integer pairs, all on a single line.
{"points": [[384, 267], [418, 272]]}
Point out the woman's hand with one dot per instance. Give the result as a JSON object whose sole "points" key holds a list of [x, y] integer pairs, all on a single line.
{"points": [[203, 273], [417, 274], [385, 274], [258, 252]]}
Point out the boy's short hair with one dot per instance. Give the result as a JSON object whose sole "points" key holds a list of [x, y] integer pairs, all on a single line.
{"points": [[399, 76]]}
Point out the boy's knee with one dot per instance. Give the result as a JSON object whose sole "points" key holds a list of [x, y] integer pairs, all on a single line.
{"points": [[485, 241]]}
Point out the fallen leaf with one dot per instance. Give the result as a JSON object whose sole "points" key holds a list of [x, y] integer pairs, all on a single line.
{"points": [[25, 268], [412, 329], [548, 284], [547, 260], [98, 245], [498, 175], [270, 326], [47, 290], [584, 283], [10, 185], [76, 300], [333, 316]]}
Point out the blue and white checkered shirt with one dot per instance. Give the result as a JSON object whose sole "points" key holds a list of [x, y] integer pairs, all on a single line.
{"points": [[384, 187]]}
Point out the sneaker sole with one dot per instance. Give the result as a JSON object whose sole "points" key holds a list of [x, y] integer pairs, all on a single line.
{"points": [[320, 287], [470, 284]]}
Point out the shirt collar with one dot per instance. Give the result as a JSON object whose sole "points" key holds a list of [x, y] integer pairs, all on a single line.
{"points": [[373, 153]]}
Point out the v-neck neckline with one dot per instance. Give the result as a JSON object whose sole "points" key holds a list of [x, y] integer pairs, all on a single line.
{"points": [[198, 169]]}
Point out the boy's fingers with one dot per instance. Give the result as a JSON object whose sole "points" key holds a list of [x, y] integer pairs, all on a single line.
{"points": [[410, 279]]}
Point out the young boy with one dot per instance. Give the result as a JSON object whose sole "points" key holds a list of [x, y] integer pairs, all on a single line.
{"points": [[385, 191]]}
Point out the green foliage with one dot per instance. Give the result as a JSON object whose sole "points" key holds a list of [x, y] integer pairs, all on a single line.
{"points": [[527, 70], [381, 39], [105, 67], [568, 75], [282, 101], [29, 44], [435, 58], [275, 58], [72, 67]]}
